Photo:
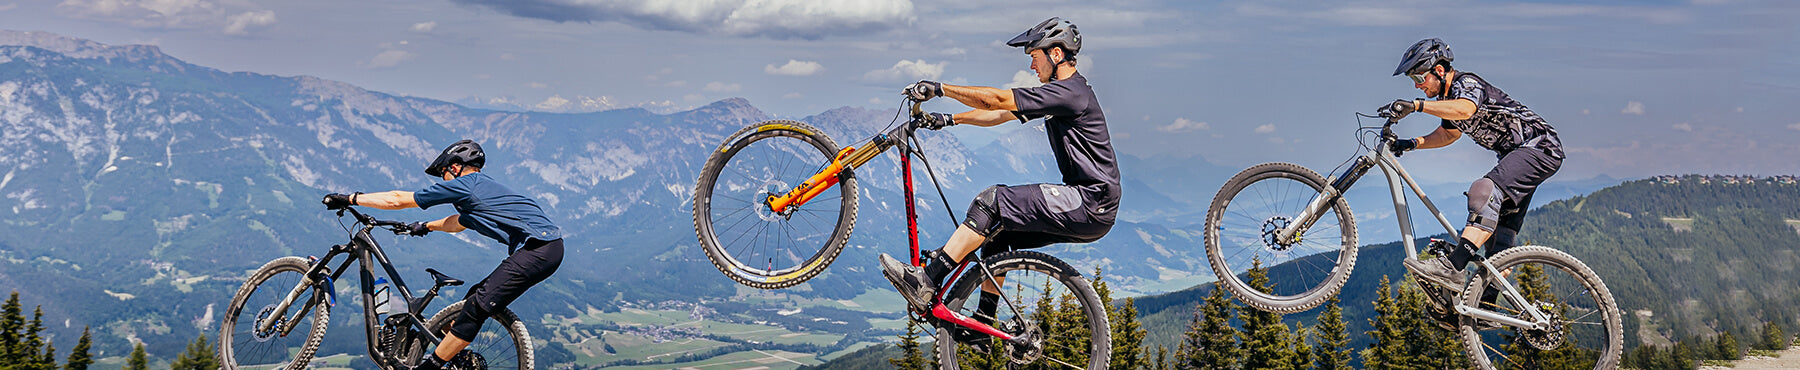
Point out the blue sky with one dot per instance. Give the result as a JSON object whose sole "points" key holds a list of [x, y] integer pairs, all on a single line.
{"points": [[1636, 88]]}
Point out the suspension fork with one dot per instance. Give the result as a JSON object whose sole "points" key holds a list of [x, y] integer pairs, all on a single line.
{"points": [[1334, 189], [318, 276]]}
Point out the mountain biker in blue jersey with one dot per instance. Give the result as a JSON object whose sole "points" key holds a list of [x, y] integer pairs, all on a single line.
{"points": [[1079, 210], [1528, 148], [534, 245]]}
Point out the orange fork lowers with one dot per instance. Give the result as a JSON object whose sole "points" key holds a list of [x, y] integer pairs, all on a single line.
{"points": [[813, 186]]}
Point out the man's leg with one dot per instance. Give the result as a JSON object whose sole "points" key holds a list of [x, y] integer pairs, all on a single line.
{"points": [[519, 272]]}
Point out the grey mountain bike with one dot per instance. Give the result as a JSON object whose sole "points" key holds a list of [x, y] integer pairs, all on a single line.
{"points": [[294, 293], [1540, 301]]}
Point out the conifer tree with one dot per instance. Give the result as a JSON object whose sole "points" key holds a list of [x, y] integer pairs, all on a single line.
{"points": [[912, 358], [1728, 347], [1162, 359], [1429, 345], [1300, 356], [1388, 349], [1209, 343], [1333, 346], [79, 358], [29, 356], [1263, 337], [198, 356], [48, 360], [1127, 333], [11, 321], [1772, 338], [138, 360]]}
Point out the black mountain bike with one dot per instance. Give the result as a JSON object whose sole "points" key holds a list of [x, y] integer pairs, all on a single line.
{"points": [[1539, 301], [290, 293], [774, 206]]}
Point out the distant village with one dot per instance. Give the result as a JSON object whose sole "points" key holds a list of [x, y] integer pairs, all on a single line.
{"points": [[1727, 179]]}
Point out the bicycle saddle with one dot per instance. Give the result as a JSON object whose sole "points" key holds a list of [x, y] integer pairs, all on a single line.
{"points": [[442, 279]]}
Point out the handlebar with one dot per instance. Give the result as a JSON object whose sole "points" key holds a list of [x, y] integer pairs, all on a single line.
{"points": [[395, 226]]}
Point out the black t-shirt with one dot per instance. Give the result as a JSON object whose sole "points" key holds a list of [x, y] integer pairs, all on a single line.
{"points": [[1500, 123], [1078, 137]]}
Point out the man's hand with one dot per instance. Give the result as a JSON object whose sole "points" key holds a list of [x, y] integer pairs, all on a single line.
{"points": [[1399, 146], [936, 121], [1402, 107], [336, 201], [923, 90], [418, 229]]}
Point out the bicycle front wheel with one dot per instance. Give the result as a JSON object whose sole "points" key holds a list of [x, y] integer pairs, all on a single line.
{"points": [[1241, 233], [243, 346], [1585, 330], [1048, 303], [742, 236], [502, 343]]}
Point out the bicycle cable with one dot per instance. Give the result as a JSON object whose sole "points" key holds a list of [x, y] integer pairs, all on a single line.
{"points": [[1360, 133], [919, 149]]}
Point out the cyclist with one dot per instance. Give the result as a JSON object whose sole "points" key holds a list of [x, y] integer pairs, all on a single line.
{"points": [[1079, 210], [534, 245], [1528, 148]]}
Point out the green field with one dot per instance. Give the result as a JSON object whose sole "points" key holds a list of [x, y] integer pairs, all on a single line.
{"points": [[773, 360]]}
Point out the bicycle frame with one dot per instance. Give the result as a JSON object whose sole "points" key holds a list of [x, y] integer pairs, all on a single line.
{"points": [[1379, 156], [844, 164], [362, 248]]}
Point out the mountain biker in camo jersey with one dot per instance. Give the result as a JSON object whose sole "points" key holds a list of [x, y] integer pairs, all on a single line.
{"points": [[1528, 148], [1080, 210], [534, 245]]}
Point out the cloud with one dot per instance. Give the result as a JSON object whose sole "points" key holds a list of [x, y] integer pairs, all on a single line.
{"points": [[794, 68], [1024, 79], [907, 70], [716, 86], [776, 19], [1184, 125], [424, 27], [537, 85], [1264, 129], [1795, 126], [388, 59], [1633, 107], [8, 7], [228, 16], [1684, 127], [237, 24]]}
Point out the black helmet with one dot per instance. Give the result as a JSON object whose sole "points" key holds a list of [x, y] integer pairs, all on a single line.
{"points": [[1053, 32], [465, 152], [1423, 55]]}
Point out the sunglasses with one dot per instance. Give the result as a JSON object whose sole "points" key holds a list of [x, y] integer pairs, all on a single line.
{"points": [[1418, 78]]}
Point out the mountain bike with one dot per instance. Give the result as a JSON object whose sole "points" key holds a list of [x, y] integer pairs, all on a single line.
{"points": [[1536, 298], [776, 202], [291, 293]]}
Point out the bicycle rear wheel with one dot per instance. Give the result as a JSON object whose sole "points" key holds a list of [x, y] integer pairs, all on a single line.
{"points": [[1585, 333], [1050, 303], [742, 236], [503, 342], [1241, 228], [242, 346]]}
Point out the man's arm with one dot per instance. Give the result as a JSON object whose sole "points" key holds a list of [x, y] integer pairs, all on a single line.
{"points": [[982, 98], [388, 200], [452, 224], [984, 118], [1439, 138], [1453, 109]]}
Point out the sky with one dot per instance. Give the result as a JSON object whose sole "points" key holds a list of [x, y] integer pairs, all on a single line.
{"points": [[1635, 88]]}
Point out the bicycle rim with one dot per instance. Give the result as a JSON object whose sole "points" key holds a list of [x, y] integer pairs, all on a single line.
{"points": [[245, 348], [1588, 332], [1242, 227], [1049, 301], [503, 343], [742, 236]]}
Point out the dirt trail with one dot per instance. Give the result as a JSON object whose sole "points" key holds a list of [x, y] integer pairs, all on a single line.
{"points": [[1790, 359]]}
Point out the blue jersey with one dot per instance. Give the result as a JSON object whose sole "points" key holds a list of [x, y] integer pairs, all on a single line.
{"points": [[492, 209]]}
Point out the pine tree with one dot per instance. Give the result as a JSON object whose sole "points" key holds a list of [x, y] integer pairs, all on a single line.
{"points": [[1388, 351], [79, 358], [138, 360], [1263, 337], [1162, 359], [1209, 343], [1430, 346], [1728, 347], [912, 358], [1127, 333], [1333, 350], [199, 356], [11, 321], [1772, 338], [48, 360], [1300, 356], [28, 350]]}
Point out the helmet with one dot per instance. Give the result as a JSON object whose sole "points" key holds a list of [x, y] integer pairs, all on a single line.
{"points": [[1053, 32], [1423, 55], [465, 152]]}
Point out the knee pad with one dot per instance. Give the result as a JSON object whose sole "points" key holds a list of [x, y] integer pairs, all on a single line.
{"points": [[984, 212], [1484, 204]]}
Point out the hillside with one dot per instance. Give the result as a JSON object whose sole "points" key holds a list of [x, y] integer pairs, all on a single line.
{"points": [[1684, 256]]}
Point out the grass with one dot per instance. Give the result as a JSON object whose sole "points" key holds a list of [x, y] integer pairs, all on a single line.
{"points": [[773, 360]]}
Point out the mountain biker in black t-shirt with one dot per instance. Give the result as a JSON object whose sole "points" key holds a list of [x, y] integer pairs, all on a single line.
{"points": [[1079, 210], [1528, 148]]}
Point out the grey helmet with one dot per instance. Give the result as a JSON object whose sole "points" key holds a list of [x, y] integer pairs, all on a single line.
{"points": [[1423, 55], [465, 152], [1052, 33]]}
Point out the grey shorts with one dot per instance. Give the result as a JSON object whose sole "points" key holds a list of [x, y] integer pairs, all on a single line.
{"points": [[1037, 215]]}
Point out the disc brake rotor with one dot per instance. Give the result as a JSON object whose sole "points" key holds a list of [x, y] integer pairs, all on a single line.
{"points": [[771, 189], [262, 335], [1271, 234], [1552, 337]]}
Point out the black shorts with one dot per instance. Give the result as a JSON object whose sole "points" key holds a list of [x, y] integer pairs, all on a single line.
{"points": [[1518, 175], [1037, 215], [526, 267]]}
